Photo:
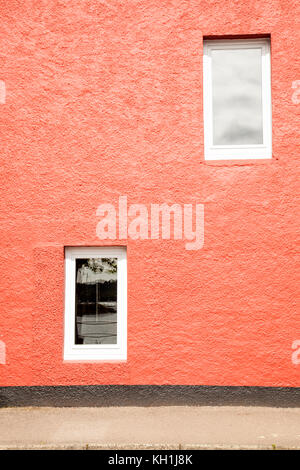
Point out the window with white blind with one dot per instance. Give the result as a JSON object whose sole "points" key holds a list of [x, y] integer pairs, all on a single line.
{"points": [[237, 99]]}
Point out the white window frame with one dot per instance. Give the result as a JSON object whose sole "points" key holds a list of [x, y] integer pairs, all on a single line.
{"points": [[95, 352], [237, 152]]}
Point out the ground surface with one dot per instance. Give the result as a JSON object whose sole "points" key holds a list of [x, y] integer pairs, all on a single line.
{"points": [[153, 427]]}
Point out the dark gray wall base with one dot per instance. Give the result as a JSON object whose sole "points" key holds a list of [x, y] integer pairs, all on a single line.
{"points": [[149, 395]]}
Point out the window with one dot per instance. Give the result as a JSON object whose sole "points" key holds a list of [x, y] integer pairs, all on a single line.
{"points": [[95, 304], [237, 99]]}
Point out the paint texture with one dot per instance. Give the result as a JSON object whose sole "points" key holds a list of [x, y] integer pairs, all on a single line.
{"points": [[104, 98]]}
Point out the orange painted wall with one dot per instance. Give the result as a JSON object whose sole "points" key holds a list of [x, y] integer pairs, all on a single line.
{"points": [[104, 98]]}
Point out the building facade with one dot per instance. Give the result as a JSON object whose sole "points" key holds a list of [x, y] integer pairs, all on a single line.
{"points": [[107, 112]]}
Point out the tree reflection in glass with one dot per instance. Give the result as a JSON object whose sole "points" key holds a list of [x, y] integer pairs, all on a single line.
{"points": [[96, 301]]}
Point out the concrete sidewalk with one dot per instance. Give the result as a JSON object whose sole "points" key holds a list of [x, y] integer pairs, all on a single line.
{"points": [[176, 427]]}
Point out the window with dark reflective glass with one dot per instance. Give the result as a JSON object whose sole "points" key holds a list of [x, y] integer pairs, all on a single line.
{"points": [[96, 301], [95, 323]]}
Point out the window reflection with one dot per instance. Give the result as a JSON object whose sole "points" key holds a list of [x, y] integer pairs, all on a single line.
{"points": [[237, 97], [96, 301]]}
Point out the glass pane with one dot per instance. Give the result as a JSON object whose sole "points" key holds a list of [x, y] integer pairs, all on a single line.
{"points": [[96, 301], [237, 97]]}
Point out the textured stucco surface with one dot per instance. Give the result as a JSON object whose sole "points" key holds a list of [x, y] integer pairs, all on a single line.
{"points": [[104, 98], [148, 396]]}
